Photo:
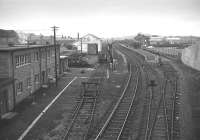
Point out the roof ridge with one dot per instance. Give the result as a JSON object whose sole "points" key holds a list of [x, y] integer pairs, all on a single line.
{"points": [[91, 35]]}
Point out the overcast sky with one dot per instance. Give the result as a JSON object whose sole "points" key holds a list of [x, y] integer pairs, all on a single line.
{"points": [[104, 18]]}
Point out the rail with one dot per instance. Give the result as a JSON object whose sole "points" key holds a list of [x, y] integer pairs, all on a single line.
{"points": [[74, 118], [161, 102], [173, 111], [169, 115], [135, 90], [77, 113], [117, 106]]}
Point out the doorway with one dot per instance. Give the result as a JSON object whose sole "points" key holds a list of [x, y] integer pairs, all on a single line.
{"points": [[92, 48], [43, 77], [3, 102]]}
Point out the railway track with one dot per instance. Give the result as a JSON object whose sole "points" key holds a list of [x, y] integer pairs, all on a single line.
{"points": [[153, 81], [83, 114], [161, 123], [162, 111], [146, 116], [140, 125], [114, 127], [173, 103], [81, 119], [158, 122], [175, 129]]}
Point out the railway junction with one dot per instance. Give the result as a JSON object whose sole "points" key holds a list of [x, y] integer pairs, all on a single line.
{"points": [[139, 99]]}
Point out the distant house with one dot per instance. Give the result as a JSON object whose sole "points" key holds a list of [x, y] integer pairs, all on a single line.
{"points": [[173, 40], [40, 39], [89, 44], [142, 40], [8, 37], [156, 40]]}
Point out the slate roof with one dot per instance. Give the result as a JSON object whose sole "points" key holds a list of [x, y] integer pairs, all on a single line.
{"points": [[20, 47], [91, 35]]}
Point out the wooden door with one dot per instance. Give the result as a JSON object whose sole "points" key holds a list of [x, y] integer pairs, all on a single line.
{"points": [[43, 77], [92, 48], [3, 102]]}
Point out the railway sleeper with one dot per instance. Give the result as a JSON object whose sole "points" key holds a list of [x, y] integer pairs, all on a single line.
{"points": [[86, 107], [125, 138], [110, 134], [119, 110], [76, 135], [124, 107], [83, 118], [115, 125], [112, 130], [120, 115], [118, 119], [109, 137]]}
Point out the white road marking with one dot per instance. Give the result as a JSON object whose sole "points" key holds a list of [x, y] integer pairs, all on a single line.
{"points": [[45, 109]]}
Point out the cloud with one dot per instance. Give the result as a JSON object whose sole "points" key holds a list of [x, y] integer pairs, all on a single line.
{"points": [[109, 18]]}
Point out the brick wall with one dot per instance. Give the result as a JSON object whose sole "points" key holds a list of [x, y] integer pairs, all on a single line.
{"points": [[22, 73], [43, 67], [4, 64]]}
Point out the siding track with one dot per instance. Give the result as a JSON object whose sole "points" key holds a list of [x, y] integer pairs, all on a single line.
{"points": [[83, 114]]}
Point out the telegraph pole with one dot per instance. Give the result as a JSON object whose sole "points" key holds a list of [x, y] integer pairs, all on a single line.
{"points": [[54, 42], [110, 52], [81, 45]]}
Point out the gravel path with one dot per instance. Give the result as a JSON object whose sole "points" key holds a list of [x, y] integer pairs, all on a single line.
{"points": [[189, 100], [189, 89]]}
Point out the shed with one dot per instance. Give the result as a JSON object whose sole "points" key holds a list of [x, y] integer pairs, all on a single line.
{"points": [[89, 44]]}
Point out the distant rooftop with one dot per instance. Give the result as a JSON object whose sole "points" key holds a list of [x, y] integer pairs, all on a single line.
{"points": [[173, 38], [19, 47], [91, 35], [157, 38], [63, 57], [7, 33]]}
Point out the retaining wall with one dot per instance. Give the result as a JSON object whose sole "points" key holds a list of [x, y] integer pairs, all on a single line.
{"points": [[191, 56]]}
